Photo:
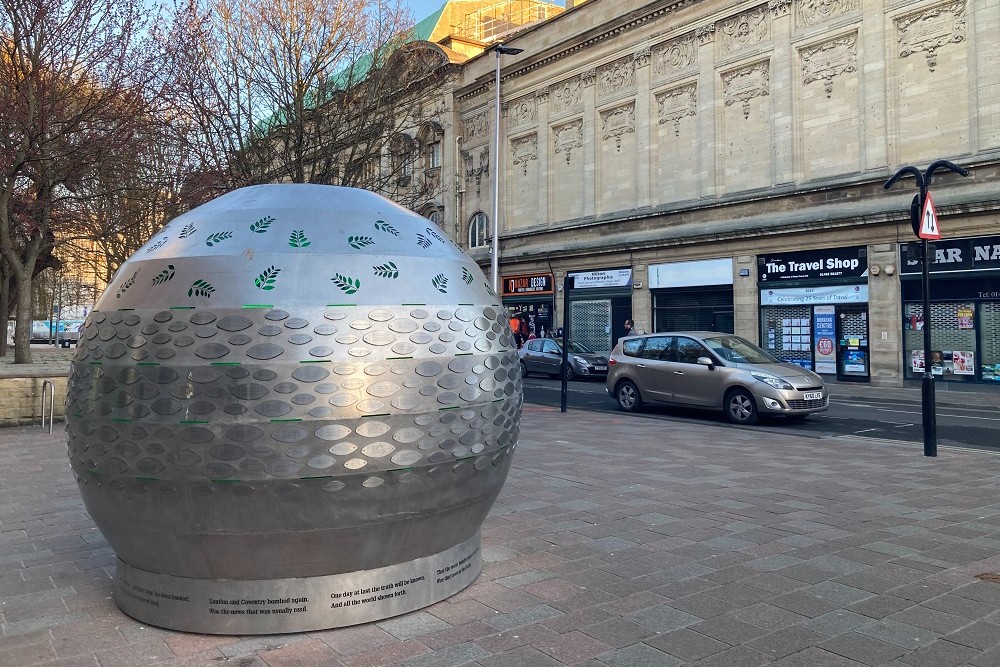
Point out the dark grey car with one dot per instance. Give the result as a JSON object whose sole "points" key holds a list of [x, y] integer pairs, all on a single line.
{"points": [[544, 355], [711, 370]]}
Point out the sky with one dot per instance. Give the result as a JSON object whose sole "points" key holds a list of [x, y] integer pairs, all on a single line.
{"points": [[421, 9]]}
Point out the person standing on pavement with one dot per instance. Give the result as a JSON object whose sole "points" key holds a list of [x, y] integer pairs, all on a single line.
{"points": [[629, 330]]}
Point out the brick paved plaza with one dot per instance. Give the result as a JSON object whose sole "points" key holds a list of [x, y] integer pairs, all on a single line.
{"points": [[618, 540]]}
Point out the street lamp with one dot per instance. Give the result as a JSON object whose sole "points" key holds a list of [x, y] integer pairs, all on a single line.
{"points": [[500, 50]]}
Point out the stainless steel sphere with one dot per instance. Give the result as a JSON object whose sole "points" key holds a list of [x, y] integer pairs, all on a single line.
{"points": [[293, 385]]}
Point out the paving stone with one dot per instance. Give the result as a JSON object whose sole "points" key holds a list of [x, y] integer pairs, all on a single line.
{"points": [[525, 656], [687, 644], [526, 616], [639, 655], [784, 642], [981, 635], [663, 618], [865, 650], [901, 634], [940, 653]]}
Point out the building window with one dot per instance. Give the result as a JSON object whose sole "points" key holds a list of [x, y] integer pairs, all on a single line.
{"points": [[401, 159], [435, 217], [477, 230], [434, 155]]}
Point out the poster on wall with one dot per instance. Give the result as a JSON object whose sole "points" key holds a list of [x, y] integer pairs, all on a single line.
{"points": [[917, 361], [963, 362], [964, 315], [824, 333]]}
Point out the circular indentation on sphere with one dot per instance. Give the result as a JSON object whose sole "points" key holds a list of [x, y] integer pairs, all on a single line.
{"points": [[320, 412], [403, 326], [303, 399], [177, 326], [371, 406], [270, 330], [297, 323], [116, 350], [161, 317], [203, 375], [383, 389], [276, 315], [264, 374], [233, 323], [244, 433], [428, 369], [310, 373], [211, 351], [377, 450], [136, 342], [248, 391], [324, 329], [165, 406], [227, 452], [343, 400], [290, 434], [372, 429], [333, 432], [360, 325], [332, 487], [283, 468], [202, 317], [320, 351], [273, 408], [239, 339], [380, 338], [438, 348], [300, 339], [286, 387], [343, 449], [372, 482], [355, 464], [183, 458], [335, 315], [218, 470], [432, 326], [406, 457]]}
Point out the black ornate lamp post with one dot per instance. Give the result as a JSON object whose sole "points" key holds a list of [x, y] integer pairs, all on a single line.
{"points": [[917, 212]]}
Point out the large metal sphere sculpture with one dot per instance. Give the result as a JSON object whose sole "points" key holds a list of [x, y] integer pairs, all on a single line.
{"points": [[292, 410]]}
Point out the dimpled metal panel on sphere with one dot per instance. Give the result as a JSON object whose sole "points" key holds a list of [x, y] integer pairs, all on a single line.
{"points": [[290, 410]]}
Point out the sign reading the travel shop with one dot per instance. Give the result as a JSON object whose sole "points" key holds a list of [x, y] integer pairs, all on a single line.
{"points": [[539, 283], [602, 278], [981, 253], [833, 263]]}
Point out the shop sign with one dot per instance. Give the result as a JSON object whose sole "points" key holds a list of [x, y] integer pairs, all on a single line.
{"points": [[835, 263], [691, 274], [976, 254], [814, 295], [539, 283], [602, 278]]}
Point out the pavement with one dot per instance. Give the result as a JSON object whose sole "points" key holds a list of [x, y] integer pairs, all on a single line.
{"points": [[618, 540]]}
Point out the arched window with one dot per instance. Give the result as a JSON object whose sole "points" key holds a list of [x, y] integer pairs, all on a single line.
{"points": [[401, 148], [477, 230]]}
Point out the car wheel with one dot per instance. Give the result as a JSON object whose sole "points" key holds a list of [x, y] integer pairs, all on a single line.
{"points": [[524, 370], [741, 408], [627, 395]]}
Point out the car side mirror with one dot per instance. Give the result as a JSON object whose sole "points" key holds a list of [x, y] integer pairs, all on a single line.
{"points": [[706, 361]]}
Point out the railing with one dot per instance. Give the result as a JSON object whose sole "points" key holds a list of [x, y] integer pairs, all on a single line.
{"points": [[51, 391]]}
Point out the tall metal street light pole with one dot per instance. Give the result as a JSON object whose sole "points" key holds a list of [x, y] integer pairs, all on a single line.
{"points": [[917, 211], [500, 50]]}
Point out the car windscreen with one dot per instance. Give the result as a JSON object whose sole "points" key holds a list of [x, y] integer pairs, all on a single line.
{"points": [[578, 348], [739, 350]]}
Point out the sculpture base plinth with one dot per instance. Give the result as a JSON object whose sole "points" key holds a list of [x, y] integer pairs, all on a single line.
{"points": [[254, 607]]}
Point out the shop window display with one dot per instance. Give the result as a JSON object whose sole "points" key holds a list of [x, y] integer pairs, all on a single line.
{"points": [[989, 326], [953, 341]]}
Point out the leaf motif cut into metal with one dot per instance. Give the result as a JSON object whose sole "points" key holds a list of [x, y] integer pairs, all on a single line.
{"points": [[218, 237], [298, 239], [164, 275], [261, 225], [125, 285], [440, 283], [267, 278], [387, 270], [434, 234], [423, 241], [188, 230], [384, 226], [347, 284], [201, 288], [159, 244], [359, 242], [466, 276]]}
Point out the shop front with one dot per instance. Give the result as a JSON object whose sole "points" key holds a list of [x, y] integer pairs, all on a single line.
{"points": [[529, 298], [692, 296], [599, 304], [814, 310], [964, 310]]}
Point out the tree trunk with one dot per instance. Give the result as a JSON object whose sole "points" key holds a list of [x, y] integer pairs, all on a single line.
{"points": [[22, 331], [4, 303]]}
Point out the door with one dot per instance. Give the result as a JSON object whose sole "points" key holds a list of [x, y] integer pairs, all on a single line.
{"points": [[652, 369], [853, 359], [550, 360], [692, 383], [590, 324]]}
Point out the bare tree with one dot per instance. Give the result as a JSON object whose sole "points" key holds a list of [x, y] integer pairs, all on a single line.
{"points": [[73, 80], [296, 90]]}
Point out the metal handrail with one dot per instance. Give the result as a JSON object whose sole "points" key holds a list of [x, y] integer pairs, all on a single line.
{"points": [[52, 402]]}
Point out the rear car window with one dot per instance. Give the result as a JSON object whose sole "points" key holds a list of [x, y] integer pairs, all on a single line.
{"points": [[631, 347]]}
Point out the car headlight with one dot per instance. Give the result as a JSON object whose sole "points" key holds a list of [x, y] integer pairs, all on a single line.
{"points": [[772, 380]]}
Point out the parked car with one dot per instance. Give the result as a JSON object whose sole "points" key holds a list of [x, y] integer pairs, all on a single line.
{"points": [[710, 370], [544, 355]]}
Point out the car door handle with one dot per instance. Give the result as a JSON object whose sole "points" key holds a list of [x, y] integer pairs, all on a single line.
{"points": [[641, 365]]}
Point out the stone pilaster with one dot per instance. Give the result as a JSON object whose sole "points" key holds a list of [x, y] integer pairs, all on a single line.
{"points": [[782, 91], [645, 124], [874, 79], [708, 85], [590, 138]]}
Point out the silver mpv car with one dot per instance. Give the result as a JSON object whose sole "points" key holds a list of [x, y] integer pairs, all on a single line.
{"points": [[713, 371]]}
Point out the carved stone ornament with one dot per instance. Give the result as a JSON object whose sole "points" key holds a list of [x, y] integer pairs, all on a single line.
{"points": [[477, 126], [813, 12], [743, 30], [567, 95], [642, 57], [522, 111], [930, 29], [542, 96], [705, 34], [616, 123], [589, 77], [474, 172], [524, 150], [616, 77], [830, 59], [673, 56], [674, 105], [567, 137], [744, 84], [779, 7]]}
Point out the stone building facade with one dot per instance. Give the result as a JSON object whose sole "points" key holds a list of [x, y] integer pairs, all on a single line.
{"points": [[711, 165]]}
